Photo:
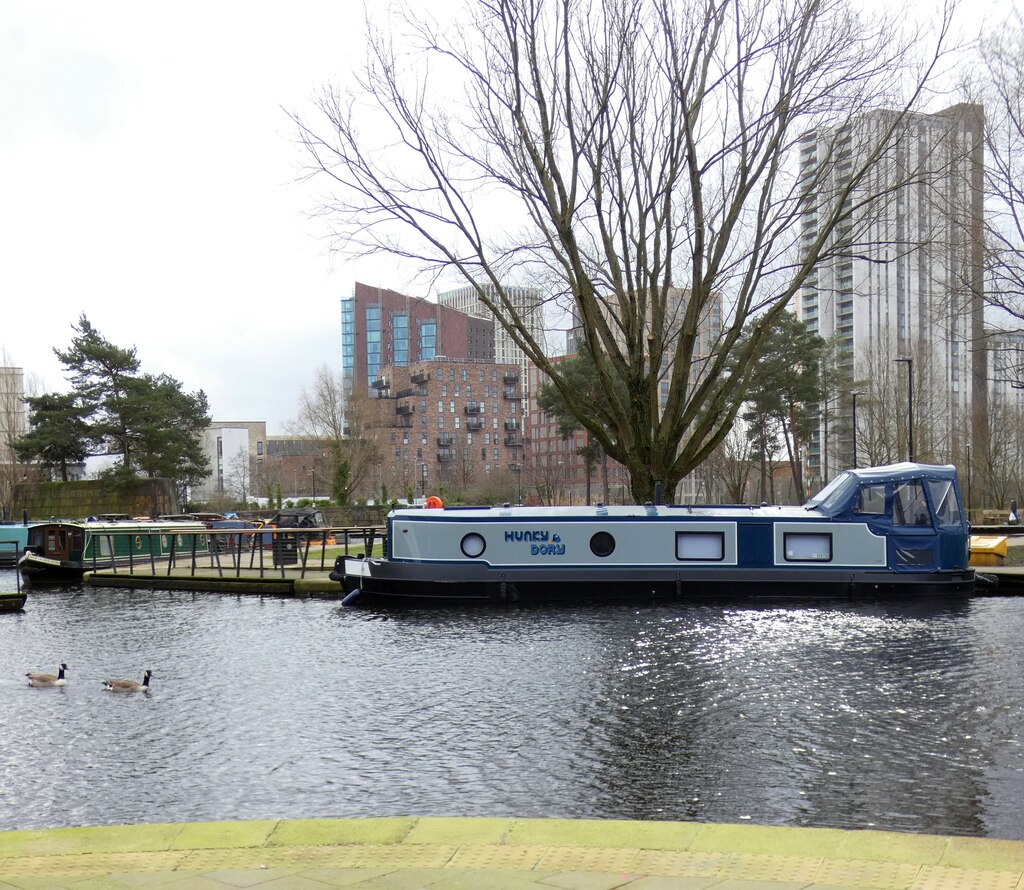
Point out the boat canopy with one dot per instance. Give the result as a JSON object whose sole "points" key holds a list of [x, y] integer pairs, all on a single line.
{"points": [[901, 494]]}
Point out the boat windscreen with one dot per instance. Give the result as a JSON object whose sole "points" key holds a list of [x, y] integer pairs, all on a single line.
{"points": [[835, 495]]}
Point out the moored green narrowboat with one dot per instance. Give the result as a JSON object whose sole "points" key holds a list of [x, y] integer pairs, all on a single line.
{"points": [[66, 549]]}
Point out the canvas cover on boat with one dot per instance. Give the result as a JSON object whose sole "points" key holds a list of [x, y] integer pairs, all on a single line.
{"points": [[917, 507]]}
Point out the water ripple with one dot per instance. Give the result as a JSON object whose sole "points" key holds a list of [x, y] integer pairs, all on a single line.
{"points": [[906, 716]]}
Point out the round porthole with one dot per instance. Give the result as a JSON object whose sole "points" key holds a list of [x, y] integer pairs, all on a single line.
{"points": [[138, 542], [602, 544], [473, 545]]}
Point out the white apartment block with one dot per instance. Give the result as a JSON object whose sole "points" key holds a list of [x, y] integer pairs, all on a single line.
{"points": [[235, 451], [13, 412], [903, 277], [527, 303]]}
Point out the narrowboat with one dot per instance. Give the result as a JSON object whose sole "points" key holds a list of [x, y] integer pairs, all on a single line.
{"points": [[896, 530], [63, 550], [12, 601], [13, 539]]}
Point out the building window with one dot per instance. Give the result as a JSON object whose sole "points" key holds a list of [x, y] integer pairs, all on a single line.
{"points": [[372, 342], [444, 390], [259, 449], [400, 331], [428, 339]]}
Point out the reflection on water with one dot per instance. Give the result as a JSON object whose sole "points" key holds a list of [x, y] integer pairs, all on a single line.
{"points": [[907, 716]]}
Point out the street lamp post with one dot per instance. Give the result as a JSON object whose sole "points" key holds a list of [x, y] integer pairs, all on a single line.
{"points": [[423, 481], [854, 395], [910, 406], [968, 481]]}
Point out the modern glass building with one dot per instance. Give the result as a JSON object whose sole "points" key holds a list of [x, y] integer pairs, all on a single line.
{"points": [[383, 328]]}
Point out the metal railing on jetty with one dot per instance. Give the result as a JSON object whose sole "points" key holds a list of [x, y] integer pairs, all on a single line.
{"points": [[266, 551], [9, 551]]}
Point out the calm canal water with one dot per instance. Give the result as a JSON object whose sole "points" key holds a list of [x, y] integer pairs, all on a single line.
{"points": [[903, 716]]}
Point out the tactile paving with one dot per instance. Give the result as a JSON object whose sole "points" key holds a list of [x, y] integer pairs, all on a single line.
{"points": [[672, 864], [497, 856], [937, 877], [872, 875], [600, 859], [752, 867]]}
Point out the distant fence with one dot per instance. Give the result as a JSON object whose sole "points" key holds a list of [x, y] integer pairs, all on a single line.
{"points": [[230, 551]]}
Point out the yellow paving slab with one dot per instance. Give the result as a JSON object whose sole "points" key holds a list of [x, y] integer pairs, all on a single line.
{"points": [[501, 854], [218, 835], [317, 832], [604, 833]]}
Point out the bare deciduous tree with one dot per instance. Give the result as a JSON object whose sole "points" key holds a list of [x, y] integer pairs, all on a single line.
{"points": [[638, 157], [347, 422], [1001, 86]]}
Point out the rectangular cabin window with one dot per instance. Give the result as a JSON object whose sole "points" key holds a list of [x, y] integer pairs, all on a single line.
{"points": [[909, 506], [871, 499], [807, 546], [700, 546], [947, 504]]}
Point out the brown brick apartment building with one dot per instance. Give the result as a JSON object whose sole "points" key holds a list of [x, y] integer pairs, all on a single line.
{"points": [[449, 423]]}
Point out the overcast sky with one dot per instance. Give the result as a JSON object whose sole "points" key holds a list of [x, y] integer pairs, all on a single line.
{"points": [[147, 178]]}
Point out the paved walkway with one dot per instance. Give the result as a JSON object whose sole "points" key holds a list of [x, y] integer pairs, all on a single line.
{"points": [[484, 854]]}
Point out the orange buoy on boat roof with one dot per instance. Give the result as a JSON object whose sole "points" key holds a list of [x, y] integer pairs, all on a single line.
{"points": [[434, 503]]}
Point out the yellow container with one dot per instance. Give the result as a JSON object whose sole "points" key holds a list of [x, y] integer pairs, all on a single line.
{"points": [[988, 550]]}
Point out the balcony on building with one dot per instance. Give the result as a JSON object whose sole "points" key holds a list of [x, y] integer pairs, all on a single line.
{"points": [[512, 393], [511, 377], [511, 424], [513, 441], [413, 392], [475, 408], [405, 408], [379, 383], [445, 454], [475, 423], [446, 440], [419, 377]]}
